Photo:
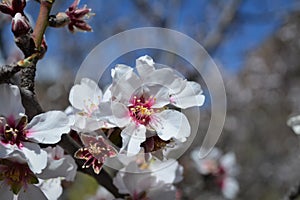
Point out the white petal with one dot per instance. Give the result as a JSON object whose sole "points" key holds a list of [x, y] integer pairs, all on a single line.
{"points": [[107, 94], [125, 83], [11, 104], [132, 137], [86, 124], [144, 66], [64, 168], [120, 114], [201, 164], [119, 71], [228, 162], [51, 188], [137, 182], [5, 192], [190, 96], [166, 77], [119, 183], [160, 94], [230, 188], [48, 127], [35, 156], [70, 110], [294, 122], [32, 192], [168, 171], [171, 124], [162, 191], [87, 92]]}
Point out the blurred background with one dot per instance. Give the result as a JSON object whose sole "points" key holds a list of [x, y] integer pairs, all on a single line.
{"points": [[256, 45]]}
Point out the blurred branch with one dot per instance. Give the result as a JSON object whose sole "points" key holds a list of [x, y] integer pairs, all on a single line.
{"points": [[145, 8], [215, 37]]}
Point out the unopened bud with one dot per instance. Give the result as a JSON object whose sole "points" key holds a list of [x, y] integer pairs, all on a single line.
{"points": [[20, 25], [12, 7]]}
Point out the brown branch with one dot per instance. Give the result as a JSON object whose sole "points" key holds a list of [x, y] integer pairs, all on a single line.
{"points": [[7, 71], [228, 14], [42, 22], [31, 44]]}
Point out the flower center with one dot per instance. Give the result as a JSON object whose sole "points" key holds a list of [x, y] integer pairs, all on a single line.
{"points": [[89, 107], [16, 175], [12, 133], [140, 110]]}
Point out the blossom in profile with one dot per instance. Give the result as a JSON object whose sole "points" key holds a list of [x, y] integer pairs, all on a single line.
{"points": [[143, 103], [19, 136], [149, 180], [221, 169], [19, 182], [294, 123], [78, 16], [89, 110]]}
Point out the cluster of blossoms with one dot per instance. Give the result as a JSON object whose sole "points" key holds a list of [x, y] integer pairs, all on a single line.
{"points": [[141, 107], [138, 115], [141, 179], [26, 168], [218, 169]]}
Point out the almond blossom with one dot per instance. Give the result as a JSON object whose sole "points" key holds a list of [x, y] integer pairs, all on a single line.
{"points": [[17, 135], [89, 109], [294, 123], [17, 181], [221, 168], [149, 180], [140, 103]]}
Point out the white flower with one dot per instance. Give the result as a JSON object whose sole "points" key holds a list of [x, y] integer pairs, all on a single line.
{"points": [[222, 168], [294, 122], [91, 110], [59, 167], [18, 136], [143, 185], [139, 103], [19, 182], [208, 165], [229, 187]]}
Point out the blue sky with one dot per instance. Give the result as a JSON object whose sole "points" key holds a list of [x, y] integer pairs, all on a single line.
{"points": [[257, 20]]}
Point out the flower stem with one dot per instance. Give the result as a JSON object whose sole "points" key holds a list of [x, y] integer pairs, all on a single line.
{"points": [[42, 22]]}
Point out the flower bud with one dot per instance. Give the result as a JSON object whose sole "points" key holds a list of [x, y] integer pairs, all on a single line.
{"points": [[78, 17], [20, 25], [12, 7]]}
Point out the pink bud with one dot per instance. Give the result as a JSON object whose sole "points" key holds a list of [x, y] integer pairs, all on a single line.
{"points": [[11, 7], [20, 25], [78, 17]]}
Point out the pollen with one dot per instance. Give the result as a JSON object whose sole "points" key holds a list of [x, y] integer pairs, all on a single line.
{"points": [[141, 109]]}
